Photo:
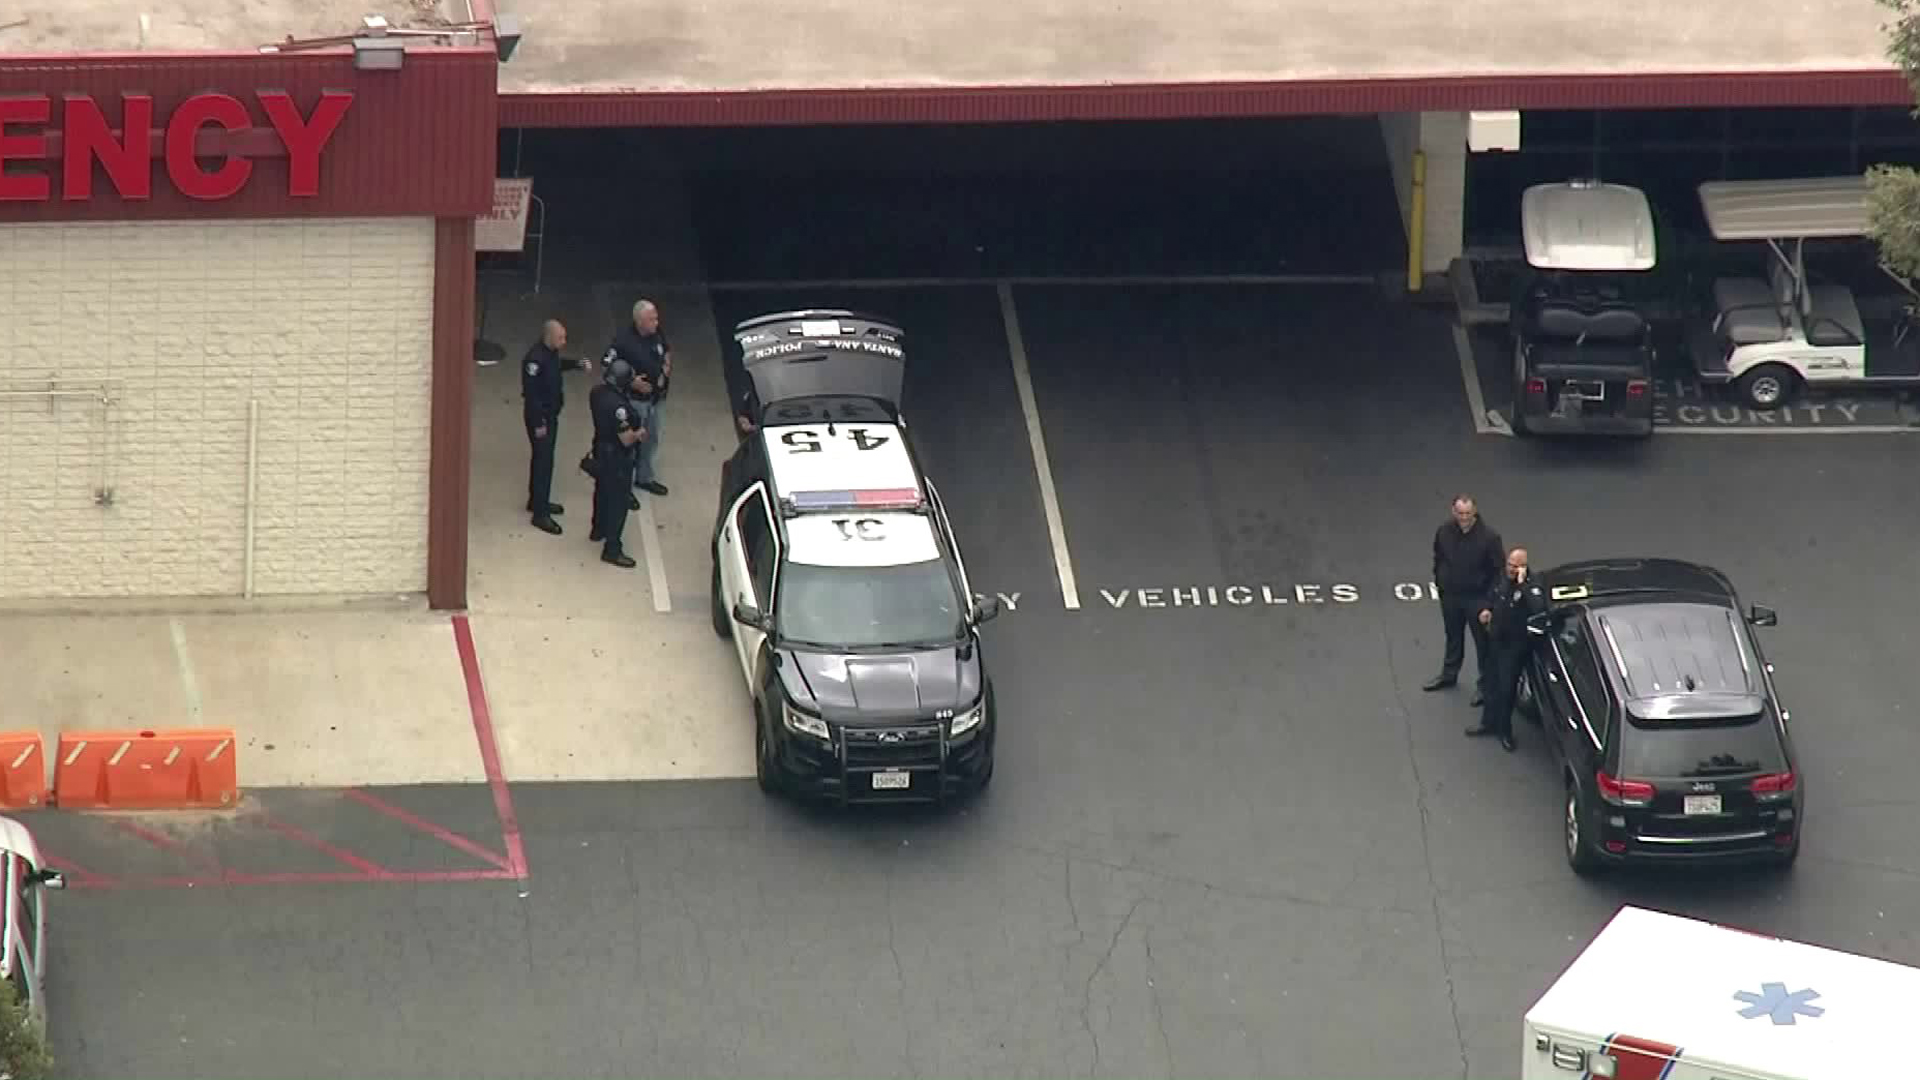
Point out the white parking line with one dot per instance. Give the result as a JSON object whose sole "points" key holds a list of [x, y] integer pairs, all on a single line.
{"points": [[650, 551], [1116, 280], [188, 684], [1042, 467], [1483, 422]]}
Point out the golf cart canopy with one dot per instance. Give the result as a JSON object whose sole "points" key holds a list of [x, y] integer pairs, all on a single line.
{"points": [[821, 354], [1587, 225], [1812, 209]]}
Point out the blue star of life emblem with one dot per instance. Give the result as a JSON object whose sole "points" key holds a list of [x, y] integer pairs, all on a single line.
{"points": [[1774, 1001]]}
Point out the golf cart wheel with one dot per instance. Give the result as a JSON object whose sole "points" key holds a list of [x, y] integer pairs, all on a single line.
{"points": [[1768, 386]]}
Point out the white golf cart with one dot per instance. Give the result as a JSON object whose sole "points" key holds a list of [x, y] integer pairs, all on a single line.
{"points": [[1772, 336], [1582, 345]]}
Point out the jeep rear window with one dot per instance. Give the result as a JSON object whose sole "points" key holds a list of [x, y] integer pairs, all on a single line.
{"points": [[1701, 748]]}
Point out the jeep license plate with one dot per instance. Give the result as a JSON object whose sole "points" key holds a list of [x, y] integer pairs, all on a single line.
{"points": [[895, 780], [1586, 391], [1703, 804]]}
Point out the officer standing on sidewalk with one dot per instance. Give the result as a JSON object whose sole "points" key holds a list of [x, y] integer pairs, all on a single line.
{"points": [[616, 432], [643, 344], [1517, 598], [543, 396]]}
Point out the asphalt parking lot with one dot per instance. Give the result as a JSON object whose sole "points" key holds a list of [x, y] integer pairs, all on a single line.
{"points": [[1229, 835]]}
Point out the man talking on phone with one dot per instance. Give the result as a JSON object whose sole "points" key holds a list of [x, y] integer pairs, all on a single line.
{"points": [[1509, 604]]}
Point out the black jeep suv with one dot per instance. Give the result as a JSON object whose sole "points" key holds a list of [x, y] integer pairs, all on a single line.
{"points": [[1660, 707]]}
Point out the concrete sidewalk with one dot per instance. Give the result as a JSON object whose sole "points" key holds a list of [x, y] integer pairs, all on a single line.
{"points": [[337, 696], [591, 672]]}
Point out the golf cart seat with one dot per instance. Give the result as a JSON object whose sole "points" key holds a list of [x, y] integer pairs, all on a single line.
{"points": [[1572, 322], [1833, 307], [1749, 311]]}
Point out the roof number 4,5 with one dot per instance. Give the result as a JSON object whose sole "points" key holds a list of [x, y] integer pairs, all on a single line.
{"points": [[860, 528], [808, 442]]}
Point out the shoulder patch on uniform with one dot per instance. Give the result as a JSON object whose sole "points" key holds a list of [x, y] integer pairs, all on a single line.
{"points": [[533, 368], [620, 413]]}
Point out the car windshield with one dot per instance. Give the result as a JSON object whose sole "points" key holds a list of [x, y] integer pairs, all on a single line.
{"points": [[1702, 748], [869, 606]]}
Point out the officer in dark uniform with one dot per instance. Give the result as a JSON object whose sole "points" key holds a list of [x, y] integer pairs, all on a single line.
{"points": [[617, 432], [1509, 605], [543, 396], [643, 344]]}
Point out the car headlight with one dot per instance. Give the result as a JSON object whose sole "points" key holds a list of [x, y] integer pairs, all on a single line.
{"points": [[968, 720], [797, 721]]}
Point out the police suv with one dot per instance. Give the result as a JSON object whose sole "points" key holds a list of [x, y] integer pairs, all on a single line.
{"points": [[837, 577]]}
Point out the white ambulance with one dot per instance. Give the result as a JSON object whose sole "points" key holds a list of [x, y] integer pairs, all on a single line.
{"points": [[1660, 997]]}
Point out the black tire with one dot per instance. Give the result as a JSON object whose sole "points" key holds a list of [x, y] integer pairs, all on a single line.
{"points": [[1577, 830], [1784, 862], [763, 772], [722, 618], [1768, 386]]}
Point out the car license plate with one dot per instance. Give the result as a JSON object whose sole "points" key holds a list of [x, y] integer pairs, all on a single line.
{"points": [[1589, 391], [1703, 804], [894, 780]]}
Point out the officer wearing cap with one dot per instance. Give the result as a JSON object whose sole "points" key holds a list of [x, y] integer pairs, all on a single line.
{"points": [[543, 396], [1509, 604], [617, 432]]}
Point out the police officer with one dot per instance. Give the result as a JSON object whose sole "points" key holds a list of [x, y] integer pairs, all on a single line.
{"points": [[542, 397], [617, 430], [643, 345], [1508, 607]]}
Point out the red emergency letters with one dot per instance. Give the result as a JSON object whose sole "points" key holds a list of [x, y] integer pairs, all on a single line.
{"points": [[126, 154]]}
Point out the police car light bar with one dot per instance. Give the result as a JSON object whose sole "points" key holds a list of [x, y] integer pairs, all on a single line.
{"points": [[872, 499]]}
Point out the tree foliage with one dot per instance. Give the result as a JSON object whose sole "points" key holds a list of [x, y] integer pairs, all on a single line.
{"points": [[23, 1049], [1893, 202]]}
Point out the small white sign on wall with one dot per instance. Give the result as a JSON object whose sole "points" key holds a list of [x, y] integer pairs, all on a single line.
{"points": [[504, 228]]}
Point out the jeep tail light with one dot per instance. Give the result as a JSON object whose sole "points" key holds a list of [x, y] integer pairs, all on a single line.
{"points": [[1624, 792], [1775, 785], [1536, 386], [1636, 387]]}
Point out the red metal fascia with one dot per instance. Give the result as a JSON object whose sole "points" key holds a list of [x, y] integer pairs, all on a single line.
{"points": [[1184, 101]]}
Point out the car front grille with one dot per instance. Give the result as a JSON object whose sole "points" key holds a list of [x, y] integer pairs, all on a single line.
{"points": [[892, 747]]}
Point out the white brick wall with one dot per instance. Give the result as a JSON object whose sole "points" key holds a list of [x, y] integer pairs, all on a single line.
{"points": [[328, 324]]}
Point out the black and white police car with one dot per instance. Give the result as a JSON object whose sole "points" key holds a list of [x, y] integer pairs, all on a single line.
{"points": [[836, 574], [1659, 705]]}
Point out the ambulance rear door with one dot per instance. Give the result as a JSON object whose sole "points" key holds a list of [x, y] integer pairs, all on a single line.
{"points": [[1661, 997]]}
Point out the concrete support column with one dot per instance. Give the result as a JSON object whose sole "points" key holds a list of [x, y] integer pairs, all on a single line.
{"points": [[1442, 137]]}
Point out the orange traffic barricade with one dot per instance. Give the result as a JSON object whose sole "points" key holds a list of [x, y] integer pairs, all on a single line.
{"points": [[23, 770], [183, 769]]}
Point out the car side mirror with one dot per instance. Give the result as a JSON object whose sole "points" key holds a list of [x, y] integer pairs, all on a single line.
{"points": [[748, 615], [1763, 616], [50, 879], [986, 609]]}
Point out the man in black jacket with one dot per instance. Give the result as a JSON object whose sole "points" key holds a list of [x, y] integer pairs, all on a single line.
{"points": [[643, 345], [1468, 561], [543, 396]]}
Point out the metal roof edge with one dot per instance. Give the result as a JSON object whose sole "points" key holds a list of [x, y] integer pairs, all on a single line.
{"points": [[1177, 101]]}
